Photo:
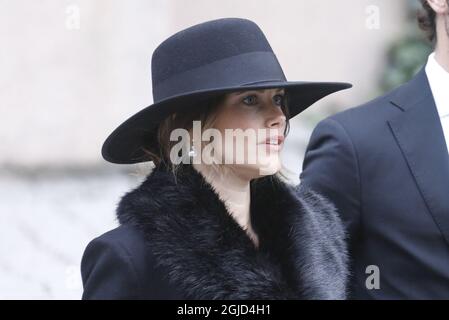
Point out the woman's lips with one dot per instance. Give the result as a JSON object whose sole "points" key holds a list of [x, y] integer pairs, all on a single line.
{"points": [[274, 143], [273, 140]]}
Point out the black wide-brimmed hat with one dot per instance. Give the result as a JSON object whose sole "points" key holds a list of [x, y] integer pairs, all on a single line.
{"points": [[200, 62]]}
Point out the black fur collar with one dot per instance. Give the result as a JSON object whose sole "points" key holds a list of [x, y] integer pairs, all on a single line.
{"points": [[302, 252]]}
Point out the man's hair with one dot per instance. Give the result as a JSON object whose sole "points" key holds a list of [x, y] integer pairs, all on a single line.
{"points": [[427, 20]]}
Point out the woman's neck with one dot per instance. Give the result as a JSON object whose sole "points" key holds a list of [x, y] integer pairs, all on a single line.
{"points": [[234, 191]]}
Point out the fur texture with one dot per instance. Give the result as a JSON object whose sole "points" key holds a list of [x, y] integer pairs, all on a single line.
{"points": [[302, 250]]}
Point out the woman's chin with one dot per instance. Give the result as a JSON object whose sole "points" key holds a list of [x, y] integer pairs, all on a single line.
{"points": [[270, 168], [269, 165]]}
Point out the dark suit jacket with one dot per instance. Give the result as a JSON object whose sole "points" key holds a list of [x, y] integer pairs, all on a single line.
{"points": [[386, 167]]}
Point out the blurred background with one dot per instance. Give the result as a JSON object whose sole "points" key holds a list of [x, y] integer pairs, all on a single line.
{"points": [[71, 71]]}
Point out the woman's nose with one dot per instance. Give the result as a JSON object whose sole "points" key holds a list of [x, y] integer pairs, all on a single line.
{"points": [[276, 117]]}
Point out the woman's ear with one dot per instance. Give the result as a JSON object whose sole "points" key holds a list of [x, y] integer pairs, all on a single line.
{"points": [[439, 6]]}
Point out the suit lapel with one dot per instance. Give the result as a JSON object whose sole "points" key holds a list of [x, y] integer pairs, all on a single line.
{"points": [[419, 134]]}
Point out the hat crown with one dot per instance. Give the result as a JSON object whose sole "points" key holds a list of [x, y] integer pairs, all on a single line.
{"points": [[203, 44], [207, 59]]}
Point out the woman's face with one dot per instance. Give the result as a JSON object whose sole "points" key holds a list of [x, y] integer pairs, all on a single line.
{"points": [[257, 121]]}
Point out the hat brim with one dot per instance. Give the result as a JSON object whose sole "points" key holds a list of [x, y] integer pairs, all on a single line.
{"points": [[123, 145]]}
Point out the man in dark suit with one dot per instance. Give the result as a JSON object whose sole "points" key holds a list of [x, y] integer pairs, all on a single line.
{"points": [[385, 165]]}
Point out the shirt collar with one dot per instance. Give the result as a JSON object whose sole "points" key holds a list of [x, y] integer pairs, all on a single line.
{"points": [[439, 84]]}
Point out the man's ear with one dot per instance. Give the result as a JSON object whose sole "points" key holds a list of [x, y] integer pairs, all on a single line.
{"points": [[439, 6]]}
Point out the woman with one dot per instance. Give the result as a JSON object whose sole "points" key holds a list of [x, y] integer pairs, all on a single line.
{"points": [[214, 220]]}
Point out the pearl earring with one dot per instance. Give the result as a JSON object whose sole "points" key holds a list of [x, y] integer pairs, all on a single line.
{"points": [[192, 152]]}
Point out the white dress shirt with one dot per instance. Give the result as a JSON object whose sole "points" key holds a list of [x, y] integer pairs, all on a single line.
{"points": [[439, 84]]}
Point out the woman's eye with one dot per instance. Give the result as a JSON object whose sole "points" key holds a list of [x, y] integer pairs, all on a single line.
{"points": [[250, 100], [278, 100]]}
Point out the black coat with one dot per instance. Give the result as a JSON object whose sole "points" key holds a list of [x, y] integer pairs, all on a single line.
{"points": [[386, 167], [178, 241]]}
